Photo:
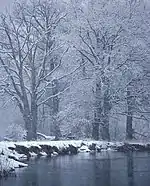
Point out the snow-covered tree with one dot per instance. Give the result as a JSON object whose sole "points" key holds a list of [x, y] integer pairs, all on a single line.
{"points": [[28, 54]]}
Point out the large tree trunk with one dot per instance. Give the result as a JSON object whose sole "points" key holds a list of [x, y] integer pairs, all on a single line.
{"points": [[129, 121], [30, 120], [95, 128], [97, 111], [106, 110], [105, 128], [27, 121]]}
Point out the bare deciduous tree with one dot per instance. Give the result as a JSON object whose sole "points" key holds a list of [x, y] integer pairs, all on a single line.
{"points": [[28, 49]]}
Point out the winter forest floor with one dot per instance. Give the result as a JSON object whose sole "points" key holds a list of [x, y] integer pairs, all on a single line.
{"points": [[13, 154]]}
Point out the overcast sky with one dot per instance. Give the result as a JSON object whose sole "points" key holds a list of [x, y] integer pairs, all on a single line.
{"points": [[4, 4]]}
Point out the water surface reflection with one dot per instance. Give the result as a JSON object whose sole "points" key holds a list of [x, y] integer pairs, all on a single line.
{"points": [[103, 169]]}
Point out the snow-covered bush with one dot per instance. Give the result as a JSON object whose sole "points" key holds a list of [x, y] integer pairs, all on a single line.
{"points": [[15, 132], [81, 128], [4, 166]]}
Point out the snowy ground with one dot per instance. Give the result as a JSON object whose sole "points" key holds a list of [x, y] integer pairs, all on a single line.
{"points": [[12, 153]]}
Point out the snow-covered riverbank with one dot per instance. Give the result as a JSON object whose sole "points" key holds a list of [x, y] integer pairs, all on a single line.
{"points": [[12, 154]]}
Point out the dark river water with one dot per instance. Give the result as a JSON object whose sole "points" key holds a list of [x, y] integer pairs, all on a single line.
{"points": [[103, 169]]}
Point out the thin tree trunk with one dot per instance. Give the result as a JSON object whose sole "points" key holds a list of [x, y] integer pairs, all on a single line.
{"points": [[55, 109], [129, 121]]}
